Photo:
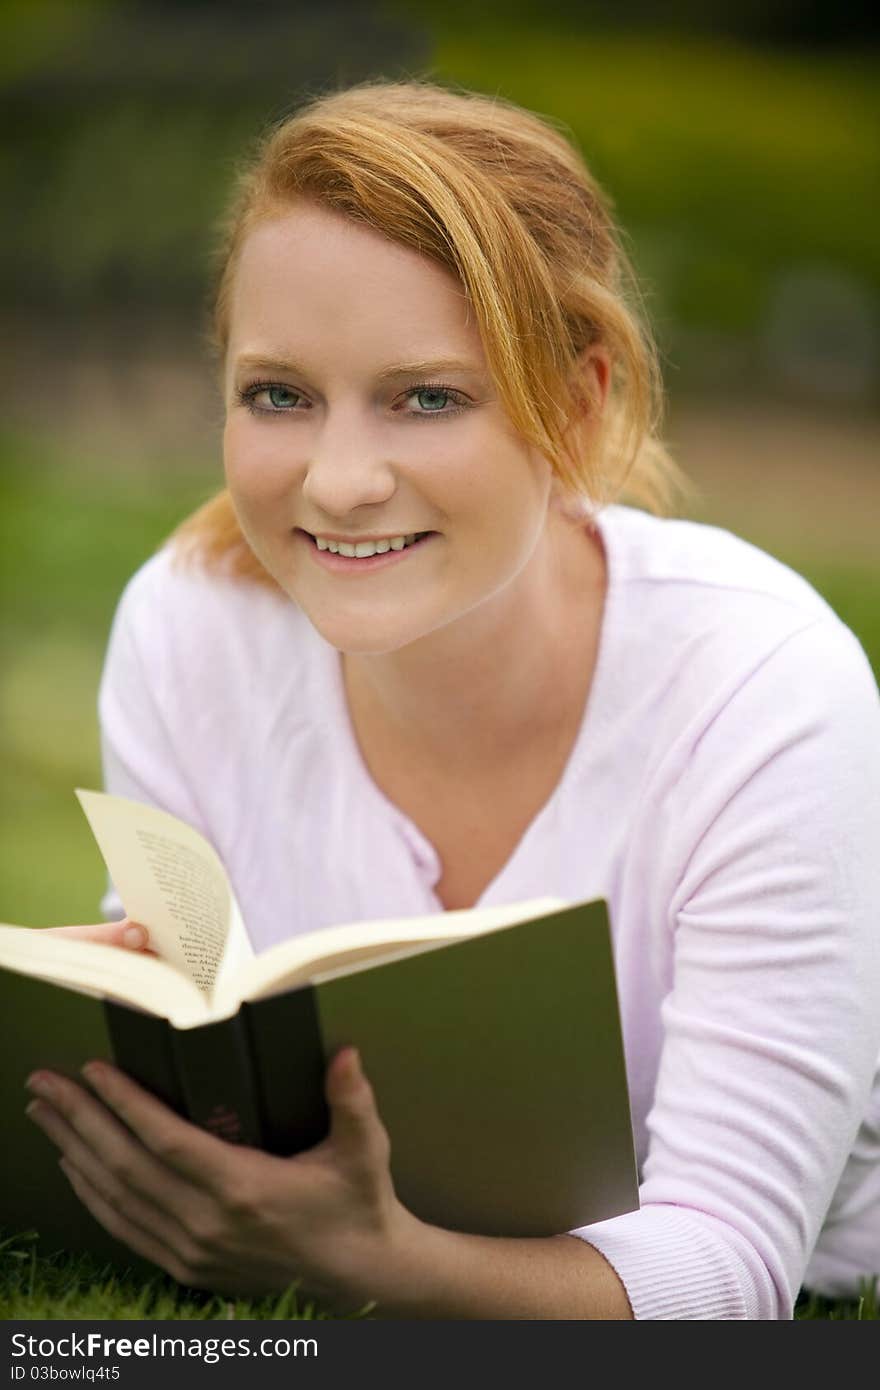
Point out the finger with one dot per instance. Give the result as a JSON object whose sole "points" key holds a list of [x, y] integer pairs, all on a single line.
{"points": [[121, 1228], [151, 1220], [113, 1144], [132, 935], [189, 1152], [355, 1125]]}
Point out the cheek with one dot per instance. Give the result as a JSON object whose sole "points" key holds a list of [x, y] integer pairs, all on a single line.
{"points": [[258, 464], [498, 493]]}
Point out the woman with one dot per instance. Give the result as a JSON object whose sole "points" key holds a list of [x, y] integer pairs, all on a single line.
{"points": [[419, 656]]}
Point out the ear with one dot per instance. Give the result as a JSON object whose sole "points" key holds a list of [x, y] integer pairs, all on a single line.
{"points": [[594, 370], [593, 367]]}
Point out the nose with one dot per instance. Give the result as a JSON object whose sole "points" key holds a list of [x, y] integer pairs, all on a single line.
{"points": [[346, 469]]}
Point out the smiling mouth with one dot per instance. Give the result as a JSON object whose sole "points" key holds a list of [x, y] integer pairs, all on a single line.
{"points": [[349, 549]]}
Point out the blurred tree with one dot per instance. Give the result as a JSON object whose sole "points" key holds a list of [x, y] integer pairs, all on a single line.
{"points": [[739, 143], [791, 23], [128, 117]]}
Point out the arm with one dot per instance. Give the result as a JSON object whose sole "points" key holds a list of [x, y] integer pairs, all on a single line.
{"points": [[767, 841], [448, 1275]]}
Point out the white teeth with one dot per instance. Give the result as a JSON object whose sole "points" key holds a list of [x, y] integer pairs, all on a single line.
{"points": [[364, 548]]}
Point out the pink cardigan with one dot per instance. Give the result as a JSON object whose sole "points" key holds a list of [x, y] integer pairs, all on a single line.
{"points": [[723, 795]]}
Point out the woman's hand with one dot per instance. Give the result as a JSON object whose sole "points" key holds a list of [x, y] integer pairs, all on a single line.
{"points": [[131, 935], [228, 1218]]}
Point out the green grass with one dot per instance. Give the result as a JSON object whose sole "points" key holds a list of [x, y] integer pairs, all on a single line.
{"points": [[866, 1308], [77, 1286], [71, 534], [68, 1286]]}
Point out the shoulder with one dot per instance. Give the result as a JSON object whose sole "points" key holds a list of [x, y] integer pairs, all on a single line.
{"points": [[703, 595], [705, 627], [169, 581], [706, 565], [168, 589], [189, 626]]}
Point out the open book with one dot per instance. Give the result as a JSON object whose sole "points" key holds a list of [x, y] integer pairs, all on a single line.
{"points": [[491, 1036]]}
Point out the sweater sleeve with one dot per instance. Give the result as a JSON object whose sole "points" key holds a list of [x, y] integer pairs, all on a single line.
{"points": [[139, 739], [770, 838]]}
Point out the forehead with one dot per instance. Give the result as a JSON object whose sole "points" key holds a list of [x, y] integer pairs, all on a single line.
{"points": [[309, 274]]}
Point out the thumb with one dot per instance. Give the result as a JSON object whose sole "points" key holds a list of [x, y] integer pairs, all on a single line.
{"points": [[354, 1119], [126, 933]]}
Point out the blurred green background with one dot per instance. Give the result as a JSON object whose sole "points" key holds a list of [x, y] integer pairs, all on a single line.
{"points": [[741, 151]]}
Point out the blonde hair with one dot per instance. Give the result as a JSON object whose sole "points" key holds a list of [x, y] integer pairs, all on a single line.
{"points": [[503, 200]]}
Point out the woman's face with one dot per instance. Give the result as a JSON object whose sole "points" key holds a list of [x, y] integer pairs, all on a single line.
{"points": [[359, 407]]}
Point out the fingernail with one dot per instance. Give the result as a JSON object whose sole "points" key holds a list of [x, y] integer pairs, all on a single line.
{"points": [[134, 936], [39, 1083]]}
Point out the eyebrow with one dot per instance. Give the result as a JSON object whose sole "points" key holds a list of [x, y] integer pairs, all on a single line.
{"points": [[430, 367]]}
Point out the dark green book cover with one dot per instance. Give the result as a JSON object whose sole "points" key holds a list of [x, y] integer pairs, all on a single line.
{"points": [[497, 1063]]}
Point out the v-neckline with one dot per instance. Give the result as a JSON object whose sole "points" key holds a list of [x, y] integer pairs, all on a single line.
{"points": [[422, 847]]}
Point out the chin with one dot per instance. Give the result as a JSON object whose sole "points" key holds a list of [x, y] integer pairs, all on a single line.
{"points": [[364, 638]]}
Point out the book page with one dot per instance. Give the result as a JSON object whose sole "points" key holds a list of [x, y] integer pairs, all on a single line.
{"points": [[359, 944], [169, 878], [105, 971], [237, 954]]}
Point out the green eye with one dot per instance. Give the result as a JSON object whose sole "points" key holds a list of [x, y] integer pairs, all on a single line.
{"points": [[428, 398], [277, 395]]}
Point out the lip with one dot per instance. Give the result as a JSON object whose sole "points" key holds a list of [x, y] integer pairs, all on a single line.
{"points": [[356, 540], [345, 564]]}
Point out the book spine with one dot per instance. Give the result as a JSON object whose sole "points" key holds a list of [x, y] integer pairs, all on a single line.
{"points": [[287, 1048], [216, 1078], [256, 1078], [141, 1047]]}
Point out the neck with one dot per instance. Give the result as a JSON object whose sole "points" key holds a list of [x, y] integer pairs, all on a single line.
{"points": [[518, 668]]}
